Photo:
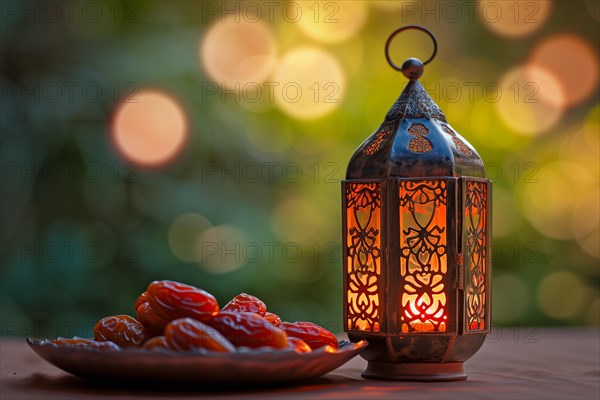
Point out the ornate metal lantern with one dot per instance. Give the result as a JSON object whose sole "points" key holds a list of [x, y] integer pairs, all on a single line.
{"points": [[416, 241]]}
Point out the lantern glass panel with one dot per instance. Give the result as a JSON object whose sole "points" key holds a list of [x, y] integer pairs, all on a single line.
{"points": [[475, 258], [363, 252], [423, 256]]}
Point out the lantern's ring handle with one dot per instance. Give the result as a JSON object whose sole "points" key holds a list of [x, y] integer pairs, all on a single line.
{"points": [[404, 28]]}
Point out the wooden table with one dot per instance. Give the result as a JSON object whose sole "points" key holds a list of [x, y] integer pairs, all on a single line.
{"points": [[514, 363]]}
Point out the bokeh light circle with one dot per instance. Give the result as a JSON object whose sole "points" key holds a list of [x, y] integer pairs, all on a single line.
{"points": [[574, 64], [238, 53], [530, 101], [302, 219], [183, 234], [150, 128], [222, 249], [514, 19], [549, 202], [333, 22], [561, 295], [310, 83]]}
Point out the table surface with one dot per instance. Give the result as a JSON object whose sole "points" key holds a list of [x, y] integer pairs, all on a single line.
{"points": [[514, 363]]}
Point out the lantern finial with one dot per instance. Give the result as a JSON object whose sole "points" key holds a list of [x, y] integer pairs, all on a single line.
{"points": [[413, 67]]}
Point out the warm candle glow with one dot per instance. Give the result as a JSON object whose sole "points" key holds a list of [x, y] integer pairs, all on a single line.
{"points": [[423, 261], [363, 210], [476, 254]]}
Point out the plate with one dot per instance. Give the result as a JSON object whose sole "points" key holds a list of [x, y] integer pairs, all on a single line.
{"points": [[246, 366]]}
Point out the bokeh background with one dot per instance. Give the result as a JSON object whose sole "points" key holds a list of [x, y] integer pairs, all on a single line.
{"points": [[205, 142]]}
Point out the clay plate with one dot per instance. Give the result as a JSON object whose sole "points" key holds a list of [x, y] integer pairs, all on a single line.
{"points": [[246, 366]]}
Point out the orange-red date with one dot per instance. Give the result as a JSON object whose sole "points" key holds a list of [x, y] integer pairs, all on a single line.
{"points": [[153, 323], [298, 345], [246, 303], [273, 318], [248, 329], [314, 335], [120, 329], [172, 300], [142, 298], [189, 334], [157, 343]]}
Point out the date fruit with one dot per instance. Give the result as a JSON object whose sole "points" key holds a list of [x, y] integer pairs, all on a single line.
{"points": [[157, 343], [298, 345], [312, 334], [273, 318], [248, 329], [153, 323], [246, 303], [173, 300], [189, 334], [142, 298], [86, 344], [123, 330]]}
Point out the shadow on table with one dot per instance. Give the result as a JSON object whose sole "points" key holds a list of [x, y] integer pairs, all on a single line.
{"points": [[341, 385]]}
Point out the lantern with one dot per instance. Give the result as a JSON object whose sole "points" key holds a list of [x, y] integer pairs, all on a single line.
{"points": [[416, 241]]}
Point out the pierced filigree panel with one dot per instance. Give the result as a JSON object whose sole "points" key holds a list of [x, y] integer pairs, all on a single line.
{"points": [[423, 256], [419, 143], [460, 145], [363, 245], [380, 138], [475, 217]]}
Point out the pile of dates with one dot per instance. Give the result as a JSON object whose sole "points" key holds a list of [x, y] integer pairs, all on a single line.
{"points": [[175, 317]]}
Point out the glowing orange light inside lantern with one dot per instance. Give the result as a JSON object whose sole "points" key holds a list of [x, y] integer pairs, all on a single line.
{"points": [[423, 258], [363, 243], [475, 216]]}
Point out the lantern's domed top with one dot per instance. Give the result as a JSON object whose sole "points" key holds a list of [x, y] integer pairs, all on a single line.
{"points": [[414, 140]]}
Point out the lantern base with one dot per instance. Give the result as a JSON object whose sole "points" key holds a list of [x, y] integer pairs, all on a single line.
{"points": [[424, 372]]}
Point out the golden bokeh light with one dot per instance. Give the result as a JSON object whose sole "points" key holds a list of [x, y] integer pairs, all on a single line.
{"points": [[507, 309], [514, 19], [591, 243], [183, 233], [561, 295], [310, 83], [587, 218], [150, 128], [223, 248], [237, 52], [484, 125], [303, 219], [524, 103], [572, 62], [333, 22], [549, 203]]}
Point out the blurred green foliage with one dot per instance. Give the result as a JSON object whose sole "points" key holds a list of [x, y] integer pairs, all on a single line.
{"points": [[84, 229]]}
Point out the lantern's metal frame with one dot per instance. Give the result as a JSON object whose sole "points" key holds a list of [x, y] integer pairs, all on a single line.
{"points": [[384, 159]]}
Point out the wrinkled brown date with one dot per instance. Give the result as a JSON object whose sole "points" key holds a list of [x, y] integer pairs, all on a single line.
{"points": [[314, 335], [123, 330], [173, 300], [248, 329], [153, 323], [246, 303], [142, 298], [86, 344], [189, 334]]}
